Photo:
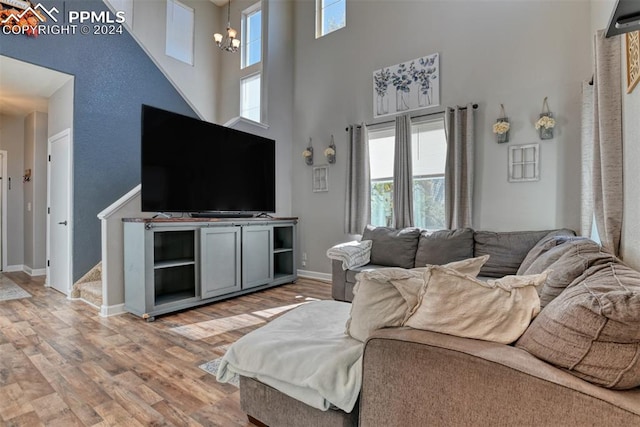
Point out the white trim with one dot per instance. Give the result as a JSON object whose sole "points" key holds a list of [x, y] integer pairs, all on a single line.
{"points": [[112, 310], [5, 195], [325, 277], [241, 119], [118, 204], [34, 271], [11, 268]]}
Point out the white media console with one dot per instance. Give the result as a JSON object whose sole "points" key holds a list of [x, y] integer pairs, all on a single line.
{"points": [[172, 264]]}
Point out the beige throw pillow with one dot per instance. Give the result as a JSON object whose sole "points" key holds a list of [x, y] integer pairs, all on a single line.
{"points": [[382, 298], [498, 310]]}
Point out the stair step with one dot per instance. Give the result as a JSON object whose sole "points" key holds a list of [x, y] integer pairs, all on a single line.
{"points": [[91, 292]]}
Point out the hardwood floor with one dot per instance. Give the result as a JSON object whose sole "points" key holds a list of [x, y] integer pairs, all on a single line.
{"points": [[61, 364]]}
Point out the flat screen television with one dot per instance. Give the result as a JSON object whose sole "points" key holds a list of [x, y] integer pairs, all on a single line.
{"points": [[189, 165]]}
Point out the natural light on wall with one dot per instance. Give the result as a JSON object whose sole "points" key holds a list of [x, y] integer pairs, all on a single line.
{"points": [[429, 150], [331, 15]]}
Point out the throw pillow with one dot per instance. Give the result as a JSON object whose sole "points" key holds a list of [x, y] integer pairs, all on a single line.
{"points": [[550, 241], [443, 246], [565, 263], [395, 248], [592, 329], [382, 298], [497, 310], [352, 254], [507, 249]]}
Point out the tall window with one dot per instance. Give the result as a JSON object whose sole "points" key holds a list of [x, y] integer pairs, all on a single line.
{"points": [[251, 36], [429, 150], [250, 97], [251, 64], [331, 15]]}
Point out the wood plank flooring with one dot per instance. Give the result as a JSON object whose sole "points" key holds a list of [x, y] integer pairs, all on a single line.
{"points": [[61, 364]]}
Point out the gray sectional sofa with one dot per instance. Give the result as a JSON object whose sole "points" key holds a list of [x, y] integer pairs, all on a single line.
{"points": [[412, 247], [578, 363]]}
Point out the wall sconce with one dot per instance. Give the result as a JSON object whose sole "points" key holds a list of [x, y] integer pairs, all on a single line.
{"points": [[330, 152], [308, 154]]}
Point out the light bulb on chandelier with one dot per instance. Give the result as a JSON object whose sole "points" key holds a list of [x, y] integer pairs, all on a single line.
{"points": [[228, 42]]}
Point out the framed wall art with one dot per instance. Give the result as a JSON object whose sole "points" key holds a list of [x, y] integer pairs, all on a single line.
{"points": [[409, 86], [633, 60], [320, 178], [524, 163]]}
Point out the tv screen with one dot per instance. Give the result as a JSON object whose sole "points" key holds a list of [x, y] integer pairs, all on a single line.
{"points": [[189, 165]]}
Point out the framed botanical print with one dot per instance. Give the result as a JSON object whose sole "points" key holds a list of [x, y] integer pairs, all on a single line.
{"points": [[633, 60]]}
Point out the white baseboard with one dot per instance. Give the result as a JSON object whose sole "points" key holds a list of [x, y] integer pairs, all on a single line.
{"points": [[34, 271], [11, 268], [112, 310], [325, 277]]}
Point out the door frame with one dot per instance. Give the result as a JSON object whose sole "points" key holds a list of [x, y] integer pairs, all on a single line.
{"points": [[65, 133], [5, 195]]}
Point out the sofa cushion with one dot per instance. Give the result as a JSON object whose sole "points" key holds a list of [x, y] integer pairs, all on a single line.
{"points": [[382, 298], [443, 246], [497, 310], [565, 263], [507, 249], [353, 272], [592, 329], [551, 240], [391, 247]]}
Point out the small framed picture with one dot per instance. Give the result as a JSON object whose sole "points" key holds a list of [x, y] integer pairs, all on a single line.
{"points": [[524, 163], [320, 178]]}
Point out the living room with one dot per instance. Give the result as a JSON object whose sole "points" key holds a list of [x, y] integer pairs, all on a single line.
{"points": [[513, 54]]}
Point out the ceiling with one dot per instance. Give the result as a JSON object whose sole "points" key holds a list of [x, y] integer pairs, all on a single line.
{"points": [[25, 87], [220, 2]]}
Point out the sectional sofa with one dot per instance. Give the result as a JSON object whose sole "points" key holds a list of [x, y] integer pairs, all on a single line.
{"points": [[578, 363]]}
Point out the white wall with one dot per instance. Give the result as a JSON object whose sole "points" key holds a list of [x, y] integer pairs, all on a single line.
{"points": [[35, 191], [198, 83], [278, 71], [61, 109], [492, 52], [12, 140]]}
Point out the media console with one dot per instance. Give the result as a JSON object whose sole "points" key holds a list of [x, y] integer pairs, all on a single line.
{"points": [[172, 264]]}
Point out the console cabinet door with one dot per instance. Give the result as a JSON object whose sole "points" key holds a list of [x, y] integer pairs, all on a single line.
{"points": [[257, 255], [220, 262]]}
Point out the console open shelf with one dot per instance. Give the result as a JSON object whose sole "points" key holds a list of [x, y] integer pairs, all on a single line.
{"points": [[174, 264]]}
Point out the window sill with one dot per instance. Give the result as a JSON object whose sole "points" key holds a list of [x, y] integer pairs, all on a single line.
{"points": [[244, 120]]}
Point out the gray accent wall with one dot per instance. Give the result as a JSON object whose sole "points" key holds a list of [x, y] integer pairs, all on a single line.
{"points": [[113, 77], [491, 52], [11, 140]]}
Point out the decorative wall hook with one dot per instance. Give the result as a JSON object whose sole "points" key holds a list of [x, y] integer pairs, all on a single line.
{"points": [[546, 122], [501, 127], [308, 154], [330, 152]]}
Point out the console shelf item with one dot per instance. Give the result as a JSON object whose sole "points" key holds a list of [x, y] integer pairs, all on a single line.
{"points": [[175, 264]]}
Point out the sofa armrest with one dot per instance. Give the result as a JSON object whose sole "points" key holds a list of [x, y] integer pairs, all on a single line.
{"points": [[413, 377], [338, 281]]}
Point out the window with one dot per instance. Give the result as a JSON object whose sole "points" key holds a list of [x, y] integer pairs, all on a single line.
{"points": [[250, 97], [331, 15], [251, 64], [251, 36], [429, 150], [180, 32]]}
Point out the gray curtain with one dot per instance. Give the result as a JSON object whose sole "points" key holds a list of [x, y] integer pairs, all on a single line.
{"points": [[358, 203], [403, 175], [607, 141], [458, 175], [586, 199]]}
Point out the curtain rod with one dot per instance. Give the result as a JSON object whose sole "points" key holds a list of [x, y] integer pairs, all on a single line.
{"points": [[475, 107]]}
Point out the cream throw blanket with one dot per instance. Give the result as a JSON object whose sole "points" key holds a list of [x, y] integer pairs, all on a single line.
{"points": [[352, 254], [304, 354]]}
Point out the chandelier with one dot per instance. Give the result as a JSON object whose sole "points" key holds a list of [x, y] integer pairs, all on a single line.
{"points": [[229, 42]]}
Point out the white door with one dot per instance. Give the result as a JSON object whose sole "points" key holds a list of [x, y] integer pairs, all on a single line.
{"points": [[59, 219]]}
